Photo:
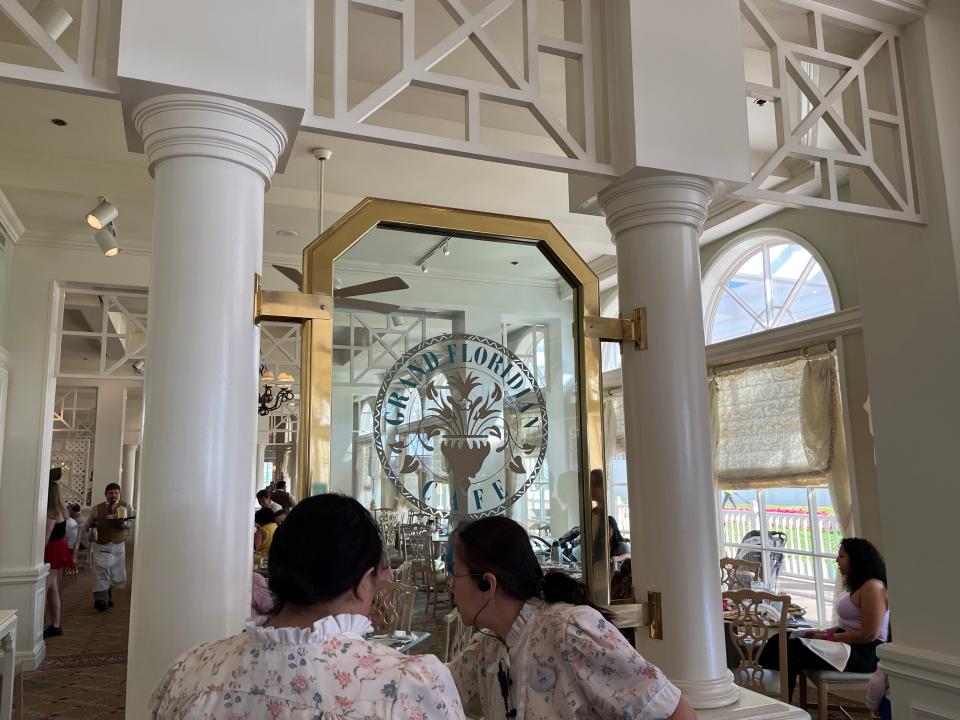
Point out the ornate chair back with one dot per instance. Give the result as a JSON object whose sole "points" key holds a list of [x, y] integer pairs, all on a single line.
{"points": [[456, 635], [392, 607], [750, 632], [402, 573], [738, 574]]}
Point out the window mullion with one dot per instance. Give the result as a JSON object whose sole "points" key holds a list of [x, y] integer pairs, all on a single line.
{"points": [[818, 555], [795, 290], [764, 538], [768, 286]]}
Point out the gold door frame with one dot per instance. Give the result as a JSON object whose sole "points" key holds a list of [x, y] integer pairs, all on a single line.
{"points": [[317, 341]]}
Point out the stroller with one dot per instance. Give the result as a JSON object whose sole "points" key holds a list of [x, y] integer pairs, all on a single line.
{"points": [[775, 539]]}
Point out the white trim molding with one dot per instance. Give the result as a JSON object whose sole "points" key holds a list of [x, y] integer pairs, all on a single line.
{"points": [[10, 224], [25, 589], [783, 339], [921, 666]]}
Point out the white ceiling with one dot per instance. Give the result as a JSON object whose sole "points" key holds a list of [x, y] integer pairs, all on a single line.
{"points": [[52, 175]]}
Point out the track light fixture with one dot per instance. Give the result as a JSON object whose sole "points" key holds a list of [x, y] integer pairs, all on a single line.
{"points": [[52, 18], [102, 215], [442, 247], [107, 240]]}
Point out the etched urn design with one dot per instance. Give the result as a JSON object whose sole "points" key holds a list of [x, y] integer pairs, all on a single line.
{"points": [[471, 402], [465, 453]]}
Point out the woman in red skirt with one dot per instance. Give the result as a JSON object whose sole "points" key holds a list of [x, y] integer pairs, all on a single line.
{"points": [[56, 552]]}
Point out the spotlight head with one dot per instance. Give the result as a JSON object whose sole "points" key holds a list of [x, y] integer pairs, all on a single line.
{"points": [[102, 215], [138, 367], [424, 268], [107, 240], [446, 248]]}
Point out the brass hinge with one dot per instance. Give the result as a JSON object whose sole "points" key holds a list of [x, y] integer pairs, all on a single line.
{"points": [[630, 614], [289, 306], [619, 329]]}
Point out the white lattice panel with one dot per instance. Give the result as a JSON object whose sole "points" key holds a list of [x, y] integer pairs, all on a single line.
{"points": [[73, 457], [61, 52], [517, 42], [834, 89]]}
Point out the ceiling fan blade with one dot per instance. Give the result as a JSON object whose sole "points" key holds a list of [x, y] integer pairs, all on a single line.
{"points": [[291, 274], [387, 284], [368, 305]]}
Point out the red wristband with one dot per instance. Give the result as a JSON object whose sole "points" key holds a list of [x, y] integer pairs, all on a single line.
{"points": [[829, 635]]}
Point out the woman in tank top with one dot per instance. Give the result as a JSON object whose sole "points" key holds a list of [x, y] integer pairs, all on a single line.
{"points": [[863, 618], [56, 553]]}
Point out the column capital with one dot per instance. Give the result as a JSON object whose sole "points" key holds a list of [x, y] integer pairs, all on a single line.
{"points": [[184, 125], [634, 201]]}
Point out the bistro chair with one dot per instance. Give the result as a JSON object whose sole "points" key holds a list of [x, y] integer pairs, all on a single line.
{"points": [[456, 635], [827, 680], [418, 549], [402, 573], [392, 607], [738, 574], [750, 632]]}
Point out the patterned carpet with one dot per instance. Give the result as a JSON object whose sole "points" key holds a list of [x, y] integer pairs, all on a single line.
{"points": [[85, 672]]}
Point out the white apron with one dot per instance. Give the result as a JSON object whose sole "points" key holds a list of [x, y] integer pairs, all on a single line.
{"points": [[109, 566]]}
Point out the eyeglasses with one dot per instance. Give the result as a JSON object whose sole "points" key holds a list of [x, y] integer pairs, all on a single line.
{"points": [[451, 576]]}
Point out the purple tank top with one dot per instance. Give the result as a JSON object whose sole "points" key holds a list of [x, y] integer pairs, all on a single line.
{"points": [[850, 617]]}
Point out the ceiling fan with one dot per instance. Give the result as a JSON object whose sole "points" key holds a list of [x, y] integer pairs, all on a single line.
{"points": [[340, 295], [343, 296]]}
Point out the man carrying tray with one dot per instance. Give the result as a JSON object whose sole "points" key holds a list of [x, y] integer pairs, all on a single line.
{"points": [[110, 518]]}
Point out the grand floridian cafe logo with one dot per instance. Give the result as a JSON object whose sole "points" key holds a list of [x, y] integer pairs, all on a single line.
{"points": [[460, 426]]}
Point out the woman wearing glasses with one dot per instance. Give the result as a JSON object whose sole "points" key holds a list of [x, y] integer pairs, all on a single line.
{"points": [[542, 651]]}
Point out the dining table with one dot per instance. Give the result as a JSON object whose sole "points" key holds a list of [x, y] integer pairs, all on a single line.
{"points": [[402, 642]]}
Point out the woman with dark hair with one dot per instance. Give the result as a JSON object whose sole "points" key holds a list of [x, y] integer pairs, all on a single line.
{"points": [[542, 651], [864, 619], [311, 658]]}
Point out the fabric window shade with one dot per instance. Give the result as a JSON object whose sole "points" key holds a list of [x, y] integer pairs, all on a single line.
{"points": [[775, 424]]}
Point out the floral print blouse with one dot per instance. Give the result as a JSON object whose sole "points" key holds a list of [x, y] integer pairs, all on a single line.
{"points": [[327, 673], [561, 661]]}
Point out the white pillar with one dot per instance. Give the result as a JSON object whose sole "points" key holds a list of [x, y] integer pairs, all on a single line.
{"points": [[656, 224], [129, 481], [258, 470], [211, 159], [108, 440]]}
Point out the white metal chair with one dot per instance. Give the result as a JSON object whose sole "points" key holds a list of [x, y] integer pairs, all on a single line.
{"points": [[456, 635], [738, 574]]}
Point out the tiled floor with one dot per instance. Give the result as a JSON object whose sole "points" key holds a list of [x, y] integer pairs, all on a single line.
{"points": [[85, 672]]}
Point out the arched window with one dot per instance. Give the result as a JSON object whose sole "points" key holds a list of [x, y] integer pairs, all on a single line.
{"points": [[764, 280]]}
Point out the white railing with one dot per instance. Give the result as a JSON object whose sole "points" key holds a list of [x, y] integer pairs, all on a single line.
{"points": [[802, 550]]}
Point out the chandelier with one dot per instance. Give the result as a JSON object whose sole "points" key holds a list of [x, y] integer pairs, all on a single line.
{"points": [[268, 401]]}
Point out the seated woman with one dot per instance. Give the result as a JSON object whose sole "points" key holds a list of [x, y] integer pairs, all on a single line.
{"points": [[265, 525], [543, 649], [864, 619], [311, 658]]}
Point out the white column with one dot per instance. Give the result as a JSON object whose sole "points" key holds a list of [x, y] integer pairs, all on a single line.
{"points": [[108, 441], [656, 224], [258, 470], [211, 159], [129, 482]]}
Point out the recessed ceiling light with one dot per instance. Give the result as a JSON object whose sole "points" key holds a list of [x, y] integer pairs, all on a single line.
{"points": [[514, 262], [287, 233], [59, 122]]}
